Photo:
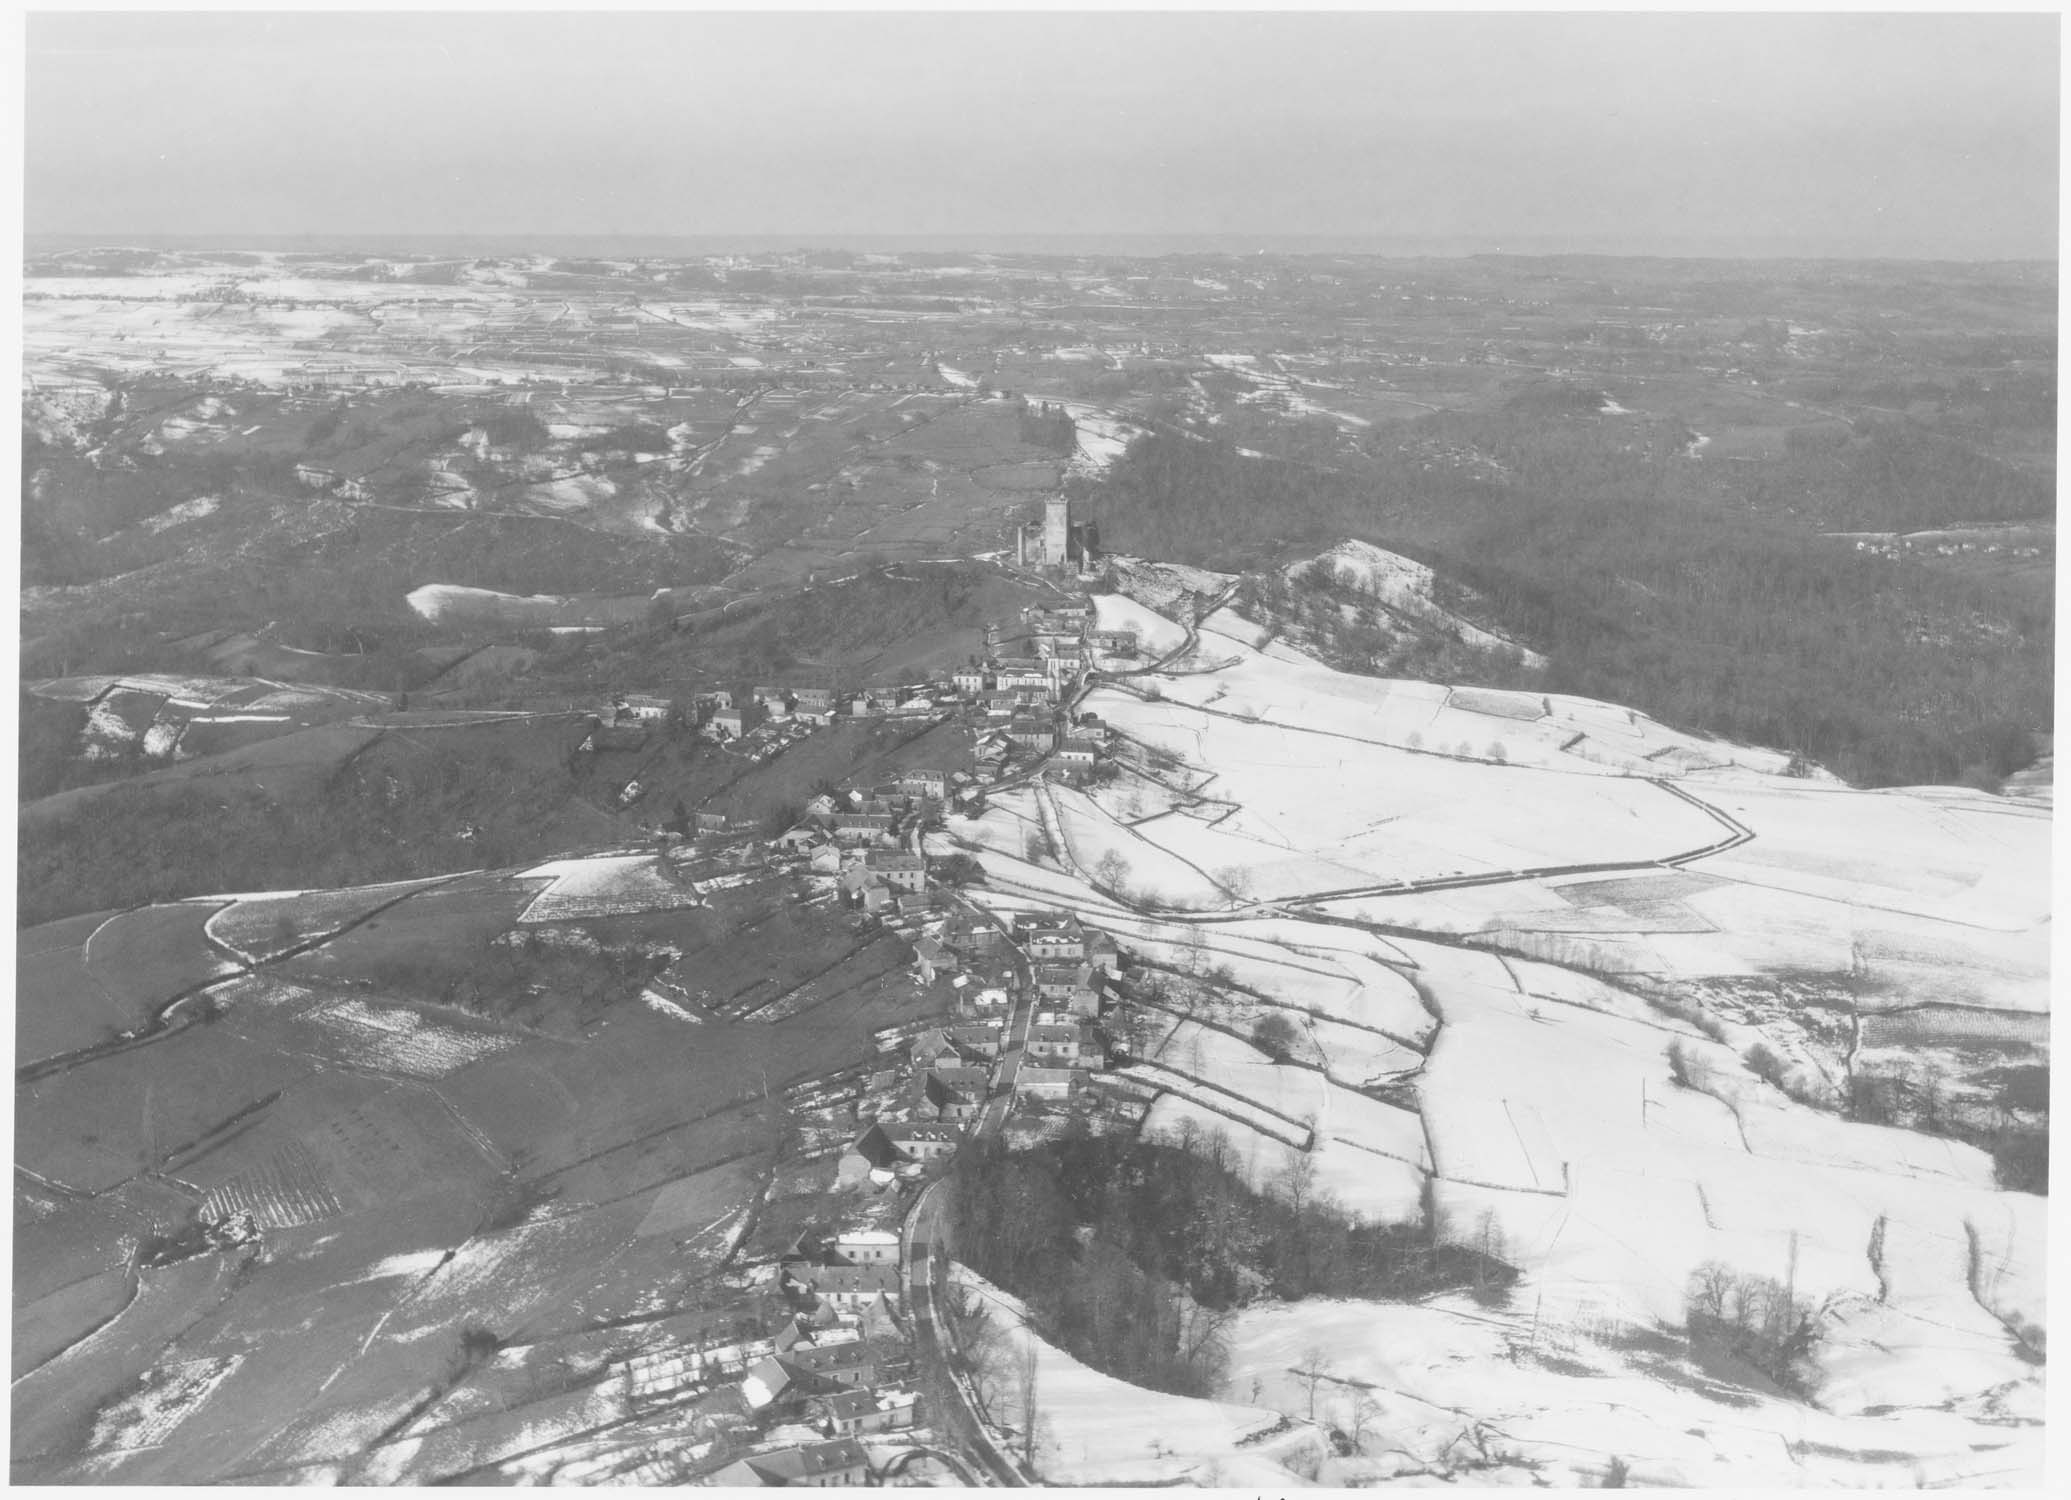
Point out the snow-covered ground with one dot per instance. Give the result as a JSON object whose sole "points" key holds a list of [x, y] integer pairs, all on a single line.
{"points": [[1543, 1111], [603, 886], [1094, 1429]]}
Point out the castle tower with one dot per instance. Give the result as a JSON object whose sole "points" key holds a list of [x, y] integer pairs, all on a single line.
{"points": [[1056, 531]]}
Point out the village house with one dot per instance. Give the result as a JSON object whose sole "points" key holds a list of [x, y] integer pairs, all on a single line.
{"points": [[1055, 1045], [970, 934], [933, 1043], [849, 1364], [1039, 735], [999, 703], [712, 700], [1104, 954], [923, 1142], [922, 782], [772, 698], [969, 681], [906, 872], [848, 1413], [953, 1094], [934, 960], [847, 1288], [1052, 937], [815, 701], [1113, 642], [866, 1247], [642, 706], [735, 722], [915, 905], [801, 836], [1078, 754], [840, 1462], [977, 1039], [862, 828]]}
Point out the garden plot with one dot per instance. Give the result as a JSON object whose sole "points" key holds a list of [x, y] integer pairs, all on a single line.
{"points": [[287, 1190], [1094, 1429], [395, 1039], [607, 886]]}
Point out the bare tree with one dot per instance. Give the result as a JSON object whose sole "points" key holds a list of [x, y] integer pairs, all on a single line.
{"points": [[1312, 1372]]}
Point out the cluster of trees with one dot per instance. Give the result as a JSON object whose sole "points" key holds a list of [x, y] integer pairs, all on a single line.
{"points": [[133, 844], [1755, 1319], [1131, 1254], [1651, 582], [2015, 1132], [1047, 427], [523, 978]]}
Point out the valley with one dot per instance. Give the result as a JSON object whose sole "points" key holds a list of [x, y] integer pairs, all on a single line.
{"points": [[1212, 870]]}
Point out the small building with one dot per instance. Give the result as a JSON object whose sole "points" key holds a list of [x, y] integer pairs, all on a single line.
{"points": [[1077, 753], [644, 706], [1104, 954], [1056, 1084]]}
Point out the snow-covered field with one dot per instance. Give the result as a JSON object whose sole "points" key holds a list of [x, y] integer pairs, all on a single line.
{"points": [[1543, 1111], [603, 886], [1093, 1429]]}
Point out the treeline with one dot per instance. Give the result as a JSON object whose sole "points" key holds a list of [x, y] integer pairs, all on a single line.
{"points": [[1132, 1254], [1648, 583]]}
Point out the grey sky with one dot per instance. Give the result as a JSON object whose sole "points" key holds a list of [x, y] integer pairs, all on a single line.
{"points": [[1892, 134]]}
